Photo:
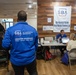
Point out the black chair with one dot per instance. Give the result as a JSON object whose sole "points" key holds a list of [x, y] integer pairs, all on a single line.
{"points": [[39, 53], [4, 59], [4, 56]]}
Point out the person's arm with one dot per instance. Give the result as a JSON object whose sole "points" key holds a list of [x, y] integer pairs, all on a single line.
{"points": [[65, 35], [68, 46], [6, 40], [36, 41], [58, 37]]}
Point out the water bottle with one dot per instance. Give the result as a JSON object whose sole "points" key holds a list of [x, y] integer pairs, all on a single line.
{"points": [[42, 40]]}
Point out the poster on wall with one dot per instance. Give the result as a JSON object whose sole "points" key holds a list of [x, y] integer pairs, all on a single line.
{"points": [[49, 20], [45, 28], [62, 18]]}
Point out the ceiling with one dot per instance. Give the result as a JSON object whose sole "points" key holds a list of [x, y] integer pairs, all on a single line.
{"points": [[9, 8]]}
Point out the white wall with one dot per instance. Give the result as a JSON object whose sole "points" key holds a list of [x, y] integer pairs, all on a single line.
{"points": [[31, 21]]}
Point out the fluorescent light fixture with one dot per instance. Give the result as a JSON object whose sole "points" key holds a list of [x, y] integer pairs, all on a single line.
{"points": [[34, 2]]}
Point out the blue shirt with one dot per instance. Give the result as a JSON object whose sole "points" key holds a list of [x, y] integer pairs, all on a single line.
{"points": [[60, 36], [23, 40]]}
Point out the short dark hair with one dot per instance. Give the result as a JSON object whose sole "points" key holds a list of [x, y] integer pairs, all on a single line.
{"points": [[61, 30], [22, 16]]}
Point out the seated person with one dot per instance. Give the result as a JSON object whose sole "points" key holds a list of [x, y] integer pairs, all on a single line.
{"points": [[59, 39], [60, 36], [72, 43]]}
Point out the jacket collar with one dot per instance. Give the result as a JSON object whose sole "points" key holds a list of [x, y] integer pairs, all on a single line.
{"points": [[22, 22]]}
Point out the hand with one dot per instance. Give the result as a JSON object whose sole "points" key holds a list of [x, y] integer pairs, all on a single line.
{"points": [[59, 38]]}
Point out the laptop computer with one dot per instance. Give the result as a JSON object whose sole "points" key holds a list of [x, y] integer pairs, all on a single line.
{"points": [[65, 40]]}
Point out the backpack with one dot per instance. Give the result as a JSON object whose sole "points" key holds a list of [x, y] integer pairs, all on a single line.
{"points": [[48, 55], [65, 59]]}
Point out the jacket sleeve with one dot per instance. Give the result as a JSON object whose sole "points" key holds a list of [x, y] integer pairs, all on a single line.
{"points": [[6, 40], [65, 35], [68, 46], [36, 41], [57, 36]]}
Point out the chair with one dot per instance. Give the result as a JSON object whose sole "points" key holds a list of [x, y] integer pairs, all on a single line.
{"points": [[4, 56], [4, 59], [53, 48], [72, 56], [39, 52]]}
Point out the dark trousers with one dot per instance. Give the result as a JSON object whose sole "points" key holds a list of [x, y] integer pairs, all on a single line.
{"points": [[31, 68], [62, 48]]}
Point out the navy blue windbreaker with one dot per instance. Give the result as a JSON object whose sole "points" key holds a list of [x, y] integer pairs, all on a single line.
{"points": [[23, 40]]}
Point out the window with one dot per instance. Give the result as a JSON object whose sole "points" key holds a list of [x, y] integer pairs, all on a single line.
{"points": [[7, 22]]}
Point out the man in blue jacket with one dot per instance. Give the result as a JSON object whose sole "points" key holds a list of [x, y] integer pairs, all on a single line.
{"points": [[59, 39], [23, 42]]}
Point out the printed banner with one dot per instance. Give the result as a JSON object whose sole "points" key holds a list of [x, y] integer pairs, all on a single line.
{"points": [[62, 18]]}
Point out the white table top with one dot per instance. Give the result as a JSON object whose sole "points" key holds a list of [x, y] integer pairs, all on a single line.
{"points": [[53, 43]]}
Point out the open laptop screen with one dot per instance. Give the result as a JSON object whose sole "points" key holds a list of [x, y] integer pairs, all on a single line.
{"points": [[65, 40]]}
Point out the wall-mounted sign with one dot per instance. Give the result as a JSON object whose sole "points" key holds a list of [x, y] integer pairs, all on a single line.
{"points": [[62, 18], [49, 19]]}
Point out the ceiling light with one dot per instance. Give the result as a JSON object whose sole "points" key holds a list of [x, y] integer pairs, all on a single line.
{"points": [[30, 6]]}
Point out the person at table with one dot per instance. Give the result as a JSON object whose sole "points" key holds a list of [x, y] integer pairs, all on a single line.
{"points": [[59, 39], [60, 36], [71, 44]]}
